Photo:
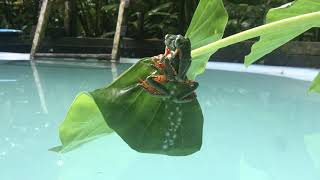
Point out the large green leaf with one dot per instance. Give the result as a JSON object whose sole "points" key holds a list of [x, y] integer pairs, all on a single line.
{"points": [[274, 38], [148, 124], [315, 86], [207, 25], [277, 37]]}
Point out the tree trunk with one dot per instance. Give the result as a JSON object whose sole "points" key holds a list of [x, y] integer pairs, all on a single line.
{"points": [[42, 22]]}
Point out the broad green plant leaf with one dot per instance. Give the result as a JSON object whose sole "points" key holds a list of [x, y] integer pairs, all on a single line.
{"points": [[283, 24], [315, 86], [146, 123], [281, 35], [207, 26], [276, 38], [150, 124], [84, 122]]}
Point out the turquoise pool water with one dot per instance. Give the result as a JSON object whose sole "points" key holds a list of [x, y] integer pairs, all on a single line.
{"points": [[257, 127]]}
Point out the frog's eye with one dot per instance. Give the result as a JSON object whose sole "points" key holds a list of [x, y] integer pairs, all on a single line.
{"points": [[179, 40], [170, 37], [169, 40], [167, 36], [179, 36]]}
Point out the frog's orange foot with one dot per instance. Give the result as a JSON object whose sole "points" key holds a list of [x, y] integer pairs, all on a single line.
{"points": [[156, 61], [160, 78], [191, 97], [159, 65], [156, 58]]}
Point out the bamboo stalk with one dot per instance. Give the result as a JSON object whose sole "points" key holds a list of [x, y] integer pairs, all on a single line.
{"points": [[117, 35], [42, 22]]}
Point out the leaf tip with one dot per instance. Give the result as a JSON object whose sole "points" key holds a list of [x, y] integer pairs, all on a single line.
{"points": [[57, 149]]}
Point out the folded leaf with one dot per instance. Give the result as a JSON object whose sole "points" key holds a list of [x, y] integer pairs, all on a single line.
{"points": [[274, 38], [207, 25], [150, 124]]}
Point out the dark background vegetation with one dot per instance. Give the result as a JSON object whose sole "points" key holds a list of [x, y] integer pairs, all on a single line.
{"points": [[145, 19]]}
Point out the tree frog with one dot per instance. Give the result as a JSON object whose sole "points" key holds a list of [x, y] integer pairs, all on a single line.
{"points": [[170, 81]]}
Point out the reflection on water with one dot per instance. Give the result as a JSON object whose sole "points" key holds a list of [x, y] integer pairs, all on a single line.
{"points": [[256, 128]]}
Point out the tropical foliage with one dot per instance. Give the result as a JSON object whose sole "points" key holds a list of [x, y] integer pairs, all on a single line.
{"points": [[97, 18], [145, 19], [282, 25]]}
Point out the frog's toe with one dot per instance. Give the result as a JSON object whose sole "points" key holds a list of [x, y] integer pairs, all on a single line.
{"points": [[186, 99]]}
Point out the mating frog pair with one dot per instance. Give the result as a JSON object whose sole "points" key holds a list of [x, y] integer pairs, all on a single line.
{"points": [[172, 67]]}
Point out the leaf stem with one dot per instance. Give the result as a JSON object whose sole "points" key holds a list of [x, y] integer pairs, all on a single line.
{"points": [[252, 33]]}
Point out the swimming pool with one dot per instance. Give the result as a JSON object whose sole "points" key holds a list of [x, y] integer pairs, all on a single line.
{"points": [[256, 127]]}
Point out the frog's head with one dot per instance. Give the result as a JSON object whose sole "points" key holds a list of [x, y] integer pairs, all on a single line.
{"points": [[182, 42], [169, 41], [176, 41]]}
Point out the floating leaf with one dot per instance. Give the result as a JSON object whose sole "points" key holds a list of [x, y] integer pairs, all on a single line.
{"points": [[207, 25], [275, 37]]}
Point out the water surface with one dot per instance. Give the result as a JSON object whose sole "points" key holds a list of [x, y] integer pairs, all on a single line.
{"points": [[256, 127]]}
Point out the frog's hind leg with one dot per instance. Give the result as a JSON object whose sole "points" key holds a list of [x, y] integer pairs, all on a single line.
{"points": [[157, 62], [187, 99], [188, 94], [146, 86], [153, 85], [156, 81]]}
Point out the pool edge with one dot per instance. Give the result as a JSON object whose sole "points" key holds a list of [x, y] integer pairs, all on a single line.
{"points": [[306, 74]]}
